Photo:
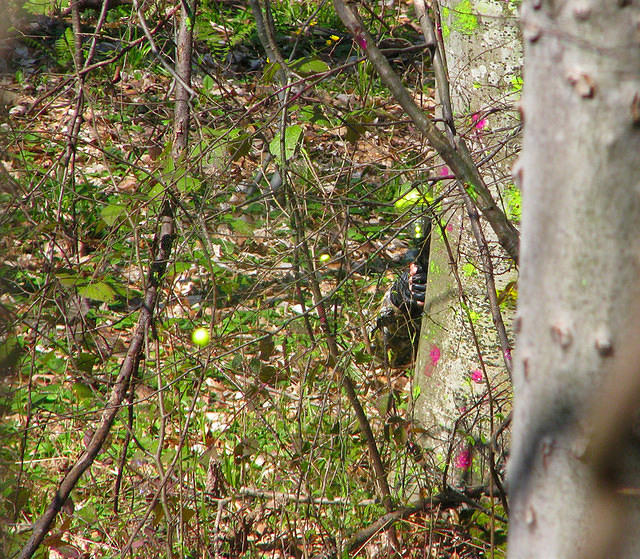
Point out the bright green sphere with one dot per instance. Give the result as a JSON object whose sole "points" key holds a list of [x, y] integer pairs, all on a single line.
{"points": [[200, 336]]}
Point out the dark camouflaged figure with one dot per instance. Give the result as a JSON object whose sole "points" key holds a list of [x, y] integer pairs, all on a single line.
{"points": [[394, 335]]}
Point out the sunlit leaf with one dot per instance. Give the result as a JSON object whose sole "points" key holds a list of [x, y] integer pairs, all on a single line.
{"points": [[187, 183], [111, 213], [270, 71], [292, 137], [308, 66], [413, 197], [99, 291]]}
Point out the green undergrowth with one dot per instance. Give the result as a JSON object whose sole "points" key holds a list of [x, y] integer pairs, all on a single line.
{"points": [[254, 428]]}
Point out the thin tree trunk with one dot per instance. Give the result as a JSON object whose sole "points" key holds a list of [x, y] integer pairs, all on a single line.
{"points": [[183, 70], [463, 330]]}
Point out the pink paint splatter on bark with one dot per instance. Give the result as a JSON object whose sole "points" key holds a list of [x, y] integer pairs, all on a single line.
{"points": [[362, 42], [478, 122], [435, 355], [463, 460]]}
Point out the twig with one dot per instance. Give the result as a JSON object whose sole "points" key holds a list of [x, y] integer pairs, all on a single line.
{"points": [[163, 243], [295, 498], [448, 498], [454, 154], [487, 269], [125, 445], [481, 242], [463, 298], [439, 69], [380, 477], [91, 67], [156, 52], [169, 472]]}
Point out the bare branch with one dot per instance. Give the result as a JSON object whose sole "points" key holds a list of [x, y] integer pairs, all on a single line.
{"points": [[455, 154], [164, 240]]}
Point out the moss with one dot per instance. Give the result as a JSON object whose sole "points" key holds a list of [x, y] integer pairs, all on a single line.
{"points": [[464, 21], [443, 22]]}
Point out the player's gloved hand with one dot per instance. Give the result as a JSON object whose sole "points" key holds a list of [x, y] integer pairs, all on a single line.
{"points": [[408, 291]]}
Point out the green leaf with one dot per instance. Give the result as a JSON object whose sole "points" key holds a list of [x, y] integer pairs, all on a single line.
{"points": [[471, 190], [508, 295], [169, 164], [269, 374], [111, 213], [179, 267], [315, 115], [187, 184], [266, 346], [37, 7], [156, 191], [469, 270], [99, 291], [464, 21], [220, 144], [241, 226], [413, 197], [207, 83], [87, 513], [292, 137], [384, 403], [54, 363], [354, 130], [270, 71], [307, 66], [236, 362], [10, 352], [239, 146], [86, 361], [83, 391], [64, 47], [516, 83], [69, 279], [513, 202]]}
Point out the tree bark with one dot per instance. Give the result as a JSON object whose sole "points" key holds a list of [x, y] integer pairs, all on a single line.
{"points": [[457, 290], [579, 287]]}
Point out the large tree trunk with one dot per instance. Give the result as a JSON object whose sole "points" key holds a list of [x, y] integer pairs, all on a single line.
{"points": [[579, 282], [483, 54]]}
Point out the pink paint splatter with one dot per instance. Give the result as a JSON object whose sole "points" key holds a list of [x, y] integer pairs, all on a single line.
{"points": [[478, 122], [360, 39], [449, 227], [507, 354], [463, 460], [444, 171], [435, 355], [476, 376]]}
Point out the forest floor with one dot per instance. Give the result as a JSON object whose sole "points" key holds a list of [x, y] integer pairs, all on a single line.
{"points": [[260, 448]]}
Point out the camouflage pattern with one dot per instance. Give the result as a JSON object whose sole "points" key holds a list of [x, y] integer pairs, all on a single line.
{"points": [[394, 334]]}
